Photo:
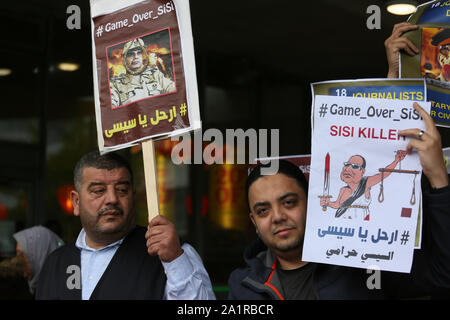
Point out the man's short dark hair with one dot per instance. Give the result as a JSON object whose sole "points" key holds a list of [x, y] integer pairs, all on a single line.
{"points": [[285, 167], [93, 159]]}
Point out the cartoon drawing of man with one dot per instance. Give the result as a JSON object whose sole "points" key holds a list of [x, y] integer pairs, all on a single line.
{"points": [[441, 41], [354, 198]]}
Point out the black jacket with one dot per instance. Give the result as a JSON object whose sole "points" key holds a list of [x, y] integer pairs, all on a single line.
{"points": [[430, 273], [131, 274]]}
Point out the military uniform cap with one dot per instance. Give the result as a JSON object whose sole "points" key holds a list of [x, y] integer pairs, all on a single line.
{"points": [[441, 38], [133, 44]]}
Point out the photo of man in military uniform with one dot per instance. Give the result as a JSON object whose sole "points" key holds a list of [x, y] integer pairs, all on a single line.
{"points": [[442, 41], [142, 79], [436, 55]]}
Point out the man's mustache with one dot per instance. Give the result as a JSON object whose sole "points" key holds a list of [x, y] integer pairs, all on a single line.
{"points": [[118, 210], [285, 226]]}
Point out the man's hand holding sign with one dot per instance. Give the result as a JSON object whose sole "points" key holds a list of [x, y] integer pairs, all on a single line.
{"points": [[395, 43], [428, 144], [162, 238]]}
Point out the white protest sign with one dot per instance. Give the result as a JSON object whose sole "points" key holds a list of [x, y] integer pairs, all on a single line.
{"points": [[446, 152], [364, 190]]}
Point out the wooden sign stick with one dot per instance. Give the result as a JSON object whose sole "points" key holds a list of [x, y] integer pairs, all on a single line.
{"points": [[151, 179]]}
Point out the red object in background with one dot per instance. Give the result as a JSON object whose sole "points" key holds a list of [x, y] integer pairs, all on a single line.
{"points": [[3, 212], [165, 146], [25, 202], [188, 203], [63, 195], [447, 72], [205, 205]]}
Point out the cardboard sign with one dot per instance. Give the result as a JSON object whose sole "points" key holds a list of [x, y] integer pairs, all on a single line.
{"points": [[144, 71], [364, 190], [145, 83]]}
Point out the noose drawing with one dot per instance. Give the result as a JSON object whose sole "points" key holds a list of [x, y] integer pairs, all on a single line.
{"points": [[412, 201]]}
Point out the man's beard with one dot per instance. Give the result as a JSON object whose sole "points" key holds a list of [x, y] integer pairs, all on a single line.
{"points": [[284, 246], [294, 244]]}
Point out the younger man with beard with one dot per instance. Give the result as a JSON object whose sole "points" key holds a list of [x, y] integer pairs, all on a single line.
{"points": [[111, 254], [277, 203]]}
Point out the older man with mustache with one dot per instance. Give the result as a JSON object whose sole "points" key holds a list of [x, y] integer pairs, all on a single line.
{"points": [[117, 259]]}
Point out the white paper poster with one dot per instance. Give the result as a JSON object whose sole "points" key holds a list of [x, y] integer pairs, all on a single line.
{"points": [[446, 152], [364, 190]]}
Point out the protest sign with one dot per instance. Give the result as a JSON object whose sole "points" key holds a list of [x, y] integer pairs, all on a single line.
{"points": [[432, 38], [397, 89], [144, 71], [145, 84], [403, 89], [364, 190]]}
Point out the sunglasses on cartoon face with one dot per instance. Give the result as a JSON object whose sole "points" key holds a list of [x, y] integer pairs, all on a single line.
{"points": [[353, 165]]}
